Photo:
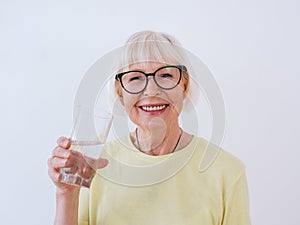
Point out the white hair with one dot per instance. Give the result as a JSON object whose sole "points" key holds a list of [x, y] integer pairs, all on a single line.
{"points": [[149, 46]]}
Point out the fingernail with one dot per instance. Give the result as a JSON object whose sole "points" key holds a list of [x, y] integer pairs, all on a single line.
{"points": [[66, 142]]}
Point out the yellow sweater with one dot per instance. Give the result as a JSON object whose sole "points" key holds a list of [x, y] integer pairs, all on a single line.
{"points": [[182, 188]]}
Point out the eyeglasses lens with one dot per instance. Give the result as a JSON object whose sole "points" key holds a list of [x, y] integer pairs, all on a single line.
{"points": [[165, 78]]}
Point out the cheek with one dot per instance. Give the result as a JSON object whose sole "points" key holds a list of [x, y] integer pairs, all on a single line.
{"points": [[178, 104], [131, 110], [129, 102], [178, 98]]}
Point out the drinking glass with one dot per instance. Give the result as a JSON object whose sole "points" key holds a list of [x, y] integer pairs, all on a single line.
{"points": [[88, 136]]}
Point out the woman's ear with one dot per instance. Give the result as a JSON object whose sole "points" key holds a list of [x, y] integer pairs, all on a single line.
{"points": [[120, 95], [118, 89], [186, 87], [184, 93], [121, 98]]}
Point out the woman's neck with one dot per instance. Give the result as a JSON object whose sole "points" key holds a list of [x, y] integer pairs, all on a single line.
{"points": [[157, 140]]}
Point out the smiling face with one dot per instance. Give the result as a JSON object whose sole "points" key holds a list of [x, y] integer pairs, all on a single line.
{"points": [[153, 103]]}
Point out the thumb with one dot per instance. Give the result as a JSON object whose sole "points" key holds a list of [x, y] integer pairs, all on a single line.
{"points": [[101, 163]]}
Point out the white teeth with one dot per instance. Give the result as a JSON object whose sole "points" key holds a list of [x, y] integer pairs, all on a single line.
{"points": [[153, 108]]}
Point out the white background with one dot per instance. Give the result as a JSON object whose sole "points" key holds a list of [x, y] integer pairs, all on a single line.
{"points": [[251, 47]]}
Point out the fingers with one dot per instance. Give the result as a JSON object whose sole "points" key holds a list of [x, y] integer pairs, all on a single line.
{"points": [[54, 175], [64, 142], [56, 163], [61, 152], [72, 162], [62, 158]]}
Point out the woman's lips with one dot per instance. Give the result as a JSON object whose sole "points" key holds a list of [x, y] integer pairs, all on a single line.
{"points": [[154, 108]]}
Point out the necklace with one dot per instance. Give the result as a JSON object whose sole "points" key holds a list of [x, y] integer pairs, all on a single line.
{"points": [[139, 146]]}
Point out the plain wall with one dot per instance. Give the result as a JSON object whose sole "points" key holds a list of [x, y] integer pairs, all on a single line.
{"points": [[251, 47]]}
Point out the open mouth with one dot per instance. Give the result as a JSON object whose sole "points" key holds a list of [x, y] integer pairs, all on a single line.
{"points": [[154, 108]]}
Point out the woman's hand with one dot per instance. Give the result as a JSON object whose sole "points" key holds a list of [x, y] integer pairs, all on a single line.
{"points": [[62, 157]]}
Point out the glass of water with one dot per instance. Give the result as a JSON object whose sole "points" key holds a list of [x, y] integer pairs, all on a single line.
{"points": [[88, 136]]}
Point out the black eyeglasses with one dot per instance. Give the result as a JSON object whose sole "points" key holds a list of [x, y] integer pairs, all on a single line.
{"points": [[136, 81]]}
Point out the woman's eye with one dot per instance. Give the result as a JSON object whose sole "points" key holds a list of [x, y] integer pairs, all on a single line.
{"points": [[166, 75], [135, 78]]}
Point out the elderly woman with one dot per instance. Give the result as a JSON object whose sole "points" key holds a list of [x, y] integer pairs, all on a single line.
{"points": [[152, 175]]}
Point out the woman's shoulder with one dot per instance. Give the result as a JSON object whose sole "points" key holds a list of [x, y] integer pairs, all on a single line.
{"points": [[214, 157]]}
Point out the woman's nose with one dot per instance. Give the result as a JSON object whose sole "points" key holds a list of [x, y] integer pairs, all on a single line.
{"points": [[151, 89]]}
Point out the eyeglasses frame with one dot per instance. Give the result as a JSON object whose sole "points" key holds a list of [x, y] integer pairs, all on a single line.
{"points": [[181, 68]]}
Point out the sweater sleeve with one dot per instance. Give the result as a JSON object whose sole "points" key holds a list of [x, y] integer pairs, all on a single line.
{"points": [[237, 203]]}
